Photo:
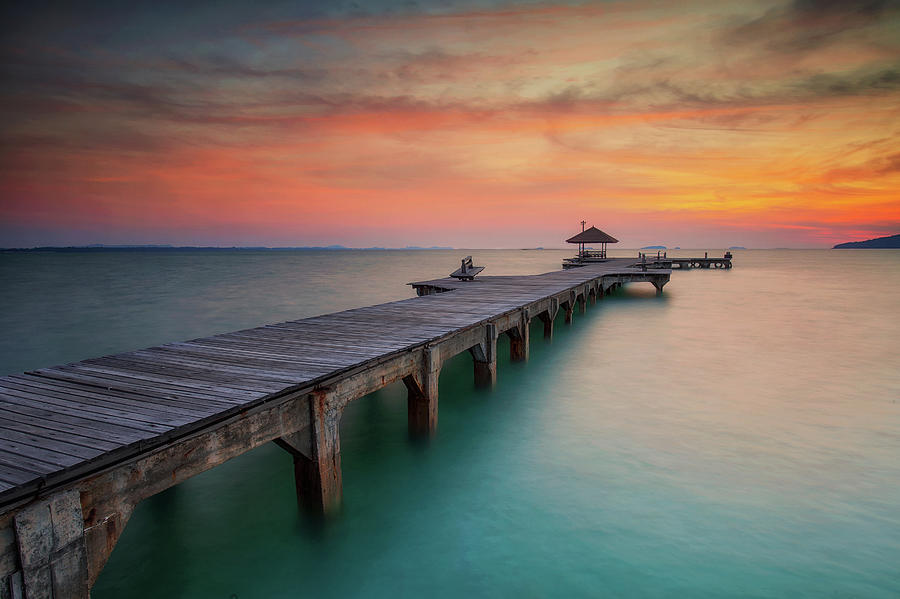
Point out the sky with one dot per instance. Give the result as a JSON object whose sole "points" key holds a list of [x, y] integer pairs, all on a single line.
{"points": [[478, 123]]}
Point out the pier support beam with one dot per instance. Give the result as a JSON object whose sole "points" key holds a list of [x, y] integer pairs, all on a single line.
{"points": [[569, 306], [519, 339], [548, 325], [548, 316], [50, 543], [422, 398], [317, 456], [485, 358], [659, 283]]}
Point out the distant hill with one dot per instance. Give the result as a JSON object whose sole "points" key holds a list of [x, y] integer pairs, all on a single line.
{"points": [[890, 242], [653, 247], [737, 247]]}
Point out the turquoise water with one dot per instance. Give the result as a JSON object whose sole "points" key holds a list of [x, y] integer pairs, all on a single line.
{"points": [[737, 437]]}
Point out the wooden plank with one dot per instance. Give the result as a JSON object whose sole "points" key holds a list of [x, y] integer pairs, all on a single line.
{"points": [[92, 414], [125, 372], [219, 362], [131, 405], [46, 461], [204, 378], [124, 383], [143, 396], [114, 433], [13, 476], [51, 433], [10, 395], [39, 441]]}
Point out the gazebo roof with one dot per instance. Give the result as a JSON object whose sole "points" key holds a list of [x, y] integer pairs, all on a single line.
{"points": [[592, 235]]}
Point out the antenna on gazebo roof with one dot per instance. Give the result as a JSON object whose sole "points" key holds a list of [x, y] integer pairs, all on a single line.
{"points": [[583, 223]]}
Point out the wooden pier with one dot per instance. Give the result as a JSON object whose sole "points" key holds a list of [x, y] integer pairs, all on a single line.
{"points": [[82, 444], [661, 261]]}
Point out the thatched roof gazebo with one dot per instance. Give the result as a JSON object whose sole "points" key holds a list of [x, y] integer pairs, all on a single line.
{"points": [[592, 235]]}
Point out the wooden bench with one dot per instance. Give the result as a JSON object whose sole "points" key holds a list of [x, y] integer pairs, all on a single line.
{"points": [[467, 271]]}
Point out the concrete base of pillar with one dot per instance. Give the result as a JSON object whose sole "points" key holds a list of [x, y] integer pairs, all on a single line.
{"points": [[50, 542]]}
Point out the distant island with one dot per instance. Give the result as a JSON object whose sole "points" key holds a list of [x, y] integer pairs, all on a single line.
{"points": [[737, 247], [654, 247], [881, 243]]}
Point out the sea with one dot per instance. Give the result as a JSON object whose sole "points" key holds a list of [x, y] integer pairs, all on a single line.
{"points": [[738, 436]]}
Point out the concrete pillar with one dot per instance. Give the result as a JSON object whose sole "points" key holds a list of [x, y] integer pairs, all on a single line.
{"points": [[569, 307], [485, 358], [422, 396], [548, 324], [50, 542], [317, 456], [102, 530], [519, 339], [549, 316], [659, 283]]}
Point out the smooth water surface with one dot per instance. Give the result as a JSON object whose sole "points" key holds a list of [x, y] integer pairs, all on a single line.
{"points": [[737, 437]]}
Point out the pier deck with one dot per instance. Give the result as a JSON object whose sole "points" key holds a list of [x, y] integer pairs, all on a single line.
{"points": [[686, 263], [82, 444]]}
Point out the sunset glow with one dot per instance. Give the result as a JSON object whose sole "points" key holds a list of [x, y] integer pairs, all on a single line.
{"points": [[475, 124]]}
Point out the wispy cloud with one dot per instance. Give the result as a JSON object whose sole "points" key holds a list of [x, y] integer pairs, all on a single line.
{"points": [[775, 112]]}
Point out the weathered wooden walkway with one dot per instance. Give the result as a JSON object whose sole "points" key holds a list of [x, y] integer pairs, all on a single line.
{"points": [[82, 444], [650, 261]]}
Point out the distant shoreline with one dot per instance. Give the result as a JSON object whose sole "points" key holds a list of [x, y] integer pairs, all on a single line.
{"points": [[891, 242]]}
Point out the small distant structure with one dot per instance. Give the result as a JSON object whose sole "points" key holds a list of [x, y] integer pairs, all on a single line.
{"points": [[467, 270], [586, 256]]}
